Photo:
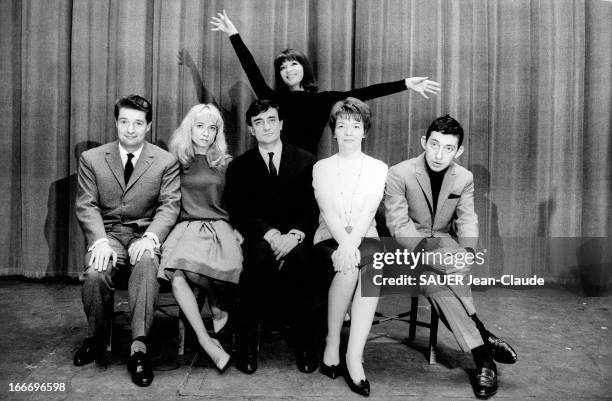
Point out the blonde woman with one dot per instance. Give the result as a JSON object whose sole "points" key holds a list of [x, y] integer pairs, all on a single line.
{"points": [[202, 249]]}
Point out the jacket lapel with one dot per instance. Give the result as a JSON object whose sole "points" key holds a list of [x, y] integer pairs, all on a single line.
{"points": [[285, 165], [114, 163], [144, 162], [424, 182], [447, 184]]}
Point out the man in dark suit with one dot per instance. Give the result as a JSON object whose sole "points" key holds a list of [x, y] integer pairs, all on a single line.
{"points": [[128, 199], [429, 203], [271, 202]]}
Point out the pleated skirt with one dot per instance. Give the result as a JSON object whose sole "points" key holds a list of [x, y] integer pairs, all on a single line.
{"points": [[206, 247]]}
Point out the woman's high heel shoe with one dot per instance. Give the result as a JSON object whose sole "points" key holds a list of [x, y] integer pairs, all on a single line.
{"points": [[331, 371], [221, 358], [361, 388]]}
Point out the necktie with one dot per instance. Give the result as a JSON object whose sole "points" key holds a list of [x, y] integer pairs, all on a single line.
{"points": [[271, 166], [129, 168]]}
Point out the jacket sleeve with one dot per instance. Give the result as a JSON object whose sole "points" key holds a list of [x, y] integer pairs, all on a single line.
{"points": [[87, 203], [169, 201], [306, 216], [466, 221], [400, 224], [239, 204]]}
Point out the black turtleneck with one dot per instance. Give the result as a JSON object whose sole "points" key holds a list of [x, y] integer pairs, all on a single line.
{"points": [[436, 178]]}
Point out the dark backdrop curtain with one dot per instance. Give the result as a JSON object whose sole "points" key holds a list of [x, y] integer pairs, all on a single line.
{"points": [[530, 81]]}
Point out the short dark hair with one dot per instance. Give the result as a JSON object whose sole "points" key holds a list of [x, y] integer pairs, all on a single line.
{"points": [[351, 107], [309, 83], [135, 102], [446, 125], [259, 106]]}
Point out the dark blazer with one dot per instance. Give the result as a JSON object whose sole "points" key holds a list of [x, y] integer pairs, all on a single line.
{"points": [[258, 202], [150, 200]]}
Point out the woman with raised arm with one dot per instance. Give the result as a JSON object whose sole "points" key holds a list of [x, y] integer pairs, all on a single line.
{"points": [[296, 89], [202, 250], [349, 187]]}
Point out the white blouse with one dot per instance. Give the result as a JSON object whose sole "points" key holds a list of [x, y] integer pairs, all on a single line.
{"points": [[348, 183]]}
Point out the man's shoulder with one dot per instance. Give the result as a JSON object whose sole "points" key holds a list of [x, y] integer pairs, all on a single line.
{"points": [[405, 167], [99, 151], [243, 158], [299, 154], [160, 153], [462, 171]]}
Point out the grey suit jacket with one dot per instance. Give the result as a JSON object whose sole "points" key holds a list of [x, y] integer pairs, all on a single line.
{"points": [[150, 200], [408, 204]]}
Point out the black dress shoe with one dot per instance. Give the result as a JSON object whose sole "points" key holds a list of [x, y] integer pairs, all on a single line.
{"points": [[246, 360], [485, 382], [502, 351], [332, 371], [361, 388], [306, 360], [91, 350], [140, 368]]}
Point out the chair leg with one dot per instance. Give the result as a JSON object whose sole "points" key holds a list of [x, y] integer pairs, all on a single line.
{"points": [[110, 323], [433, 336], [414, 304], [181, 333]]}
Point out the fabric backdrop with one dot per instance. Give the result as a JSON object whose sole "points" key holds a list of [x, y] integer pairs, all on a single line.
{"points": [[530, 81]]}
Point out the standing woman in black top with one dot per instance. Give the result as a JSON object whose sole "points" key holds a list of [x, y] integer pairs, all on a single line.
{"points": [[296, 89]]}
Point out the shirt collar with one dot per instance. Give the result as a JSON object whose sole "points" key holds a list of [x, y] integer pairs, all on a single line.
{"points": [[277, 152], [123, 153]]}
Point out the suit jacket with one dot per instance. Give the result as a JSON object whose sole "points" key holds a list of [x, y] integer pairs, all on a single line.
{"points": [[258, 202], [408, 204], [150, 201]]}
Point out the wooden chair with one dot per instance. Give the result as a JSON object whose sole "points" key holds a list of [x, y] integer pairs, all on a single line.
{"points": [[410, 316]]}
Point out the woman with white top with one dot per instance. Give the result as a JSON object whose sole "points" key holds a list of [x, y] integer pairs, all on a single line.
{"points": [[348, 187]]}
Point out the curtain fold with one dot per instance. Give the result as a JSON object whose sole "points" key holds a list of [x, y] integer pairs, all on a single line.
{"points": [[529, 80]]}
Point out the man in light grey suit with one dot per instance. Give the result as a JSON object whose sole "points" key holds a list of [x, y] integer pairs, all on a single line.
{"points": [[429, 205], [128, 199]]}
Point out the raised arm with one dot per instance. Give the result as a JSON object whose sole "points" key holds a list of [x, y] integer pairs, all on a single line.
{"points": [[222, 23], [420, 85]]}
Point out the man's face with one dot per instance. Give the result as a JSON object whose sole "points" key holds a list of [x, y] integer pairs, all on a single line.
{"points": [[132, 128], [266, 127], [440, 150]]}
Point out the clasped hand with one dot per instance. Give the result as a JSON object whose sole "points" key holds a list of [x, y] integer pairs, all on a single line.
{"points": [[346, 258], [282, 244]]}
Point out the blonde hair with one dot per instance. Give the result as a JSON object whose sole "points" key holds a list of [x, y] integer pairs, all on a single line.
{"points": [[181, 144]]}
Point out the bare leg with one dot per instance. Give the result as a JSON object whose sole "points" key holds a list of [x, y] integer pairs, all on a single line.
{"points": [[187, 302], [340, 293], [219, 316], [362, 314]]}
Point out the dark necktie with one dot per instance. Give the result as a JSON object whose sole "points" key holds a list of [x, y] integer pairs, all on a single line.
{"points": [[271, 166], [129, 168]]}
